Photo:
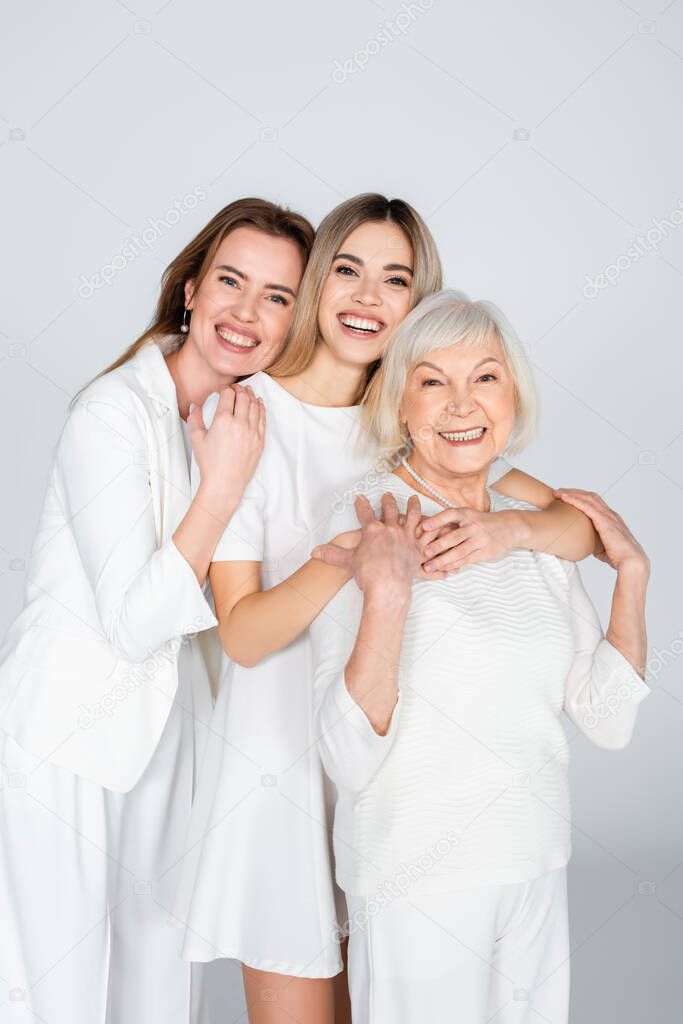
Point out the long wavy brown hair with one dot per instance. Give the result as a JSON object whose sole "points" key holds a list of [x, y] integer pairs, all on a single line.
{"points": [[195, 260]]}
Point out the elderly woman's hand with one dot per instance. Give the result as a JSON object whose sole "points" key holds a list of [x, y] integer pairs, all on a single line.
{"points": [[351, 539], [463, 536], [619, 548], [387, 556]]}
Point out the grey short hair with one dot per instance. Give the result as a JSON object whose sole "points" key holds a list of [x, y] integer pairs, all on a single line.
{"points": [[440, 320]]}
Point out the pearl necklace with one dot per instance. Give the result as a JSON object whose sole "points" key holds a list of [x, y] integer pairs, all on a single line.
{"points": [[427, 487], [435, 494]]}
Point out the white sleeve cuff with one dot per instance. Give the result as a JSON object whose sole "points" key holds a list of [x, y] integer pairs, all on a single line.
{"points": [[616, 670], [608, 719], [166, 602], [194, 613], [351, 750], [356, 718]]}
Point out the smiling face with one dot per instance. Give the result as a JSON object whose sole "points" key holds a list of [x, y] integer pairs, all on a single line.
{"points": [[367, 292], [241, 310], [459, 407]]}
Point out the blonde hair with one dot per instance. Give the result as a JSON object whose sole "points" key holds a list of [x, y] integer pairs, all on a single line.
{"points": [[439, 321], [194, 263], [303, 334]]}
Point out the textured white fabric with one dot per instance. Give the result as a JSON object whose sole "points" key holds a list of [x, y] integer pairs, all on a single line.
{"points": [[475, 761], [491, 954], [257, 880]]}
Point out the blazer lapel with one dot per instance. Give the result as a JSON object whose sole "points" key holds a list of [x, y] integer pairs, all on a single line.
{"points": [[170, 477]]}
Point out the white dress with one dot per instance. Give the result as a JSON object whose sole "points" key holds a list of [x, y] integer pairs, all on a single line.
{"points": [[257, 881]]}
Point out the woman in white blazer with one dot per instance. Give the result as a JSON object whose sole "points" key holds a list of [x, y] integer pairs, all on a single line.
{"points": [[104, 684]]}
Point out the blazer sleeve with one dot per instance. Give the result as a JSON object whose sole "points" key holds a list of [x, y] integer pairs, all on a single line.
{"points": [[351, 751], [603, 690], [145, 595]]}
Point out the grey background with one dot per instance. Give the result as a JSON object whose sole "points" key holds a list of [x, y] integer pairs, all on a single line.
{"points": [[539, 139]]}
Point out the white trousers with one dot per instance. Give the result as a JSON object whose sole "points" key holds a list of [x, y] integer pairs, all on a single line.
{"points": [[492, 953], [56, 889], [86, 885]]}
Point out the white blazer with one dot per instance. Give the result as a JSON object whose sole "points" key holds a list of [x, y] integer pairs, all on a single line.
{"points": [[89, 669]]}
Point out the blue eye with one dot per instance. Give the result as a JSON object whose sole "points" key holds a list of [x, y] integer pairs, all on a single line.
{"points": [[229, 280], [491, 376], [279, 299]]}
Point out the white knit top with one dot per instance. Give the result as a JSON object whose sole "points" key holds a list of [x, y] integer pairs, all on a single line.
{"points": [[469, 786]]}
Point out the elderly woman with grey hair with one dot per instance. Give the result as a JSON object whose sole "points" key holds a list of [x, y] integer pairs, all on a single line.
{"points": [[438, 701]]}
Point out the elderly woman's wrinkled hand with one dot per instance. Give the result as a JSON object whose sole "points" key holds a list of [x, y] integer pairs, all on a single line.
{"points": [[384, 556], [618, 547], [463, 536]]}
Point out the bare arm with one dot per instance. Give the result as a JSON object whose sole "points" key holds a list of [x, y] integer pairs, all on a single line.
{"points": [[384, 564], [356, 650], [147, 592], [558, 529], [606, 684], [202, 526], [627, 629], [372, 670], [288, 608], [234, 439], [619, 548]]}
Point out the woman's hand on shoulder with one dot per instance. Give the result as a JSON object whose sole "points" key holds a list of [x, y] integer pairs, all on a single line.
{"points": [[383, 556], [618, 547], [350, 539], [228, 452], [464, 536]]}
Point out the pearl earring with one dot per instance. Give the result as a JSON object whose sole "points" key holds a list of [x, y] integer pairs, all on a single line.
{"points": [[185, 325]]}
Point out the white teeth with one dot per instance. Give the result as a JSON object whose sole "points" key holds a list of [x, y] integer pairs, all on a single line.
{"points": [[463, 435], [360, 325], [236, 339]]}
